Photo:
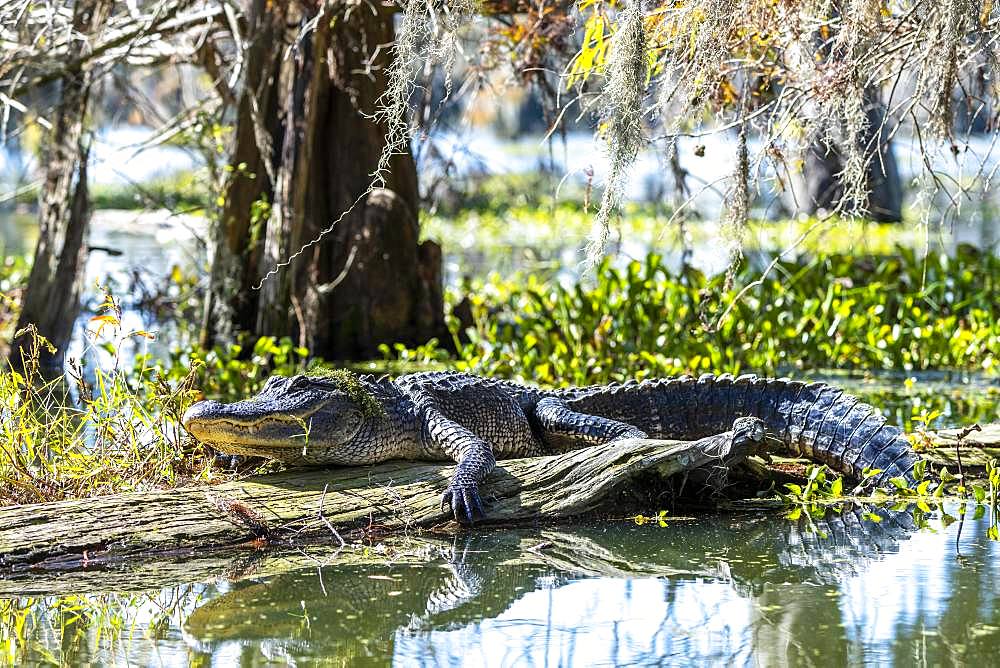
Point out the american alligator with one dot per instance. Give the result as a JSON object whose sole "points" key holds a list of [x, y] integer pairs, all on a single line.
{"points": [[346, 420]]}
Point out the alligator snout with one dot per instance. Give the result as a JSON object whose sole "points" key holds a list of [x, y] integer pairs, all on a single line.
{"points": [[200, 411]]}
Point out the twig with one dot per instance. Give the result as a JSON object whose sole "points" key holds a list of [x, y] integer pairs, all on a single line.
{"points": [[322, 517], [959, 444]]}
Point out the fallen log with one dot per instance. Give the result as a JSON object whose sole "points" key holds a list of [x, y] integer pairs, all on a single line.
{"points": [[975, 450], [988, 436], [104, 531]]}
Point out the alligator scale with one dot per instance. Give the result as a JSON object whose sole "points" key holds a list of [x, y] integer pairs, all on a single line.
{"points": [[446, 416]]}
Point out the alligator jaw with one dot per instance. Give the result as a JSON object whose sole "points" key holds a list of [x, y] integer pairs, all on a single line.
{"points": [[270, 430]]}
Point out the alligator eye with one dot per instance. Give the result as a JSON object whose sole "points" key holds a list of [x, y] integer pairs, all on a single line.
{"points": [[298, 383]]}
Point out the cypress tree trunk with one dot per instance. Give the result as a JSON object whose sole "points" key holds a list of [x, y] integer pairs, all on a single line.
{"points": [[822, 189], [231, 303], [52, 297], [369, 280]]}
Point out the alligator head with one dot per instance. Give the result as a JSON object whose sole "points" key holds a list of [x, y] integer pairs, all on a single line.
{"points": [[301, 419]]}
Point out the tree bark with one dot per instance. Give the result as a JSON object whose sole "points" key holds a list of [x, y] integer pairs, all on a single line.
{"points": [[238, 239], [52, 297], [823, 190], [369, 280], [298, 503]]}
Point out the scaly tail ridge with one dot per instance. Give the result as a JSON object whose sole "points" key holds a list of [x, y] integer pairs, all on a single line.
{"points": [[812, 420]]}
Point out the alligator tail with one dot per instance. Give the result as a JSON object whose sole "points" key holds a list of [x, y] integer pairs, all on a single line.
{"points": [[812, 420]]}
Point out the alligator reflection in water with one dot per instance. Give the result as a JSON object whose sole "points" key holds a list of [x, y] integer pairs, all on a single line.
{"points": [[737, 589]]}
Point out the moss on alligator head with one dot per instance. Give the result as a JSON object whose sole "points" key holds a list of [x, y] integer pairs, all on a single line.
{"points": [[350, 384]]}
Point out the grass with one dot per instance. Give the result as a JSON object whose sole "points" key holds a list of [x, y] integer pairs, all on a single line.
{"points": [[116, 433], [117, 428]]}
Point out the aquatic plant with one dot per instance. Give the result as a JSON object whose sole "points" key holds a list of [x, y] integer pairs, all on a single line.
{"points": [[900, 312], [349, 383]]}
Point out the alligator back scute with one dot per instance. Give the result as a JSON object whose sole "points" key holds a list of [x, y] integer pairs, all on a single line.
{"points": [[672, 408], [816, 417], [698, 405], [884, 449], [845, 433], [718, 413], [808, 396], [789, 394], [826, 437], [852, 461], [763, 402], [741, 390]]}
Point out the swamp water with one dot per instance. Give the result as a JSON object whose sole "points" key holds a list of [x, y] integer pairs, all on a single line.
{"points": [[858, 587]]}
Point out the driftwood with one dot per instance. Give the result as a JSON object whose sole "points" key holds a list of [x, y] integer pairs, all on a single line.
{"points": [[977, 448], [106, 532]]}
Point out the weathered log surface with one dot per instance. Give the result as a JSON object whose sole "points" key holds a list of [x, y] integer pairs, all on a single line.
{"points": [[987, 436], [941, 447], [102, 531], [978, 447]]}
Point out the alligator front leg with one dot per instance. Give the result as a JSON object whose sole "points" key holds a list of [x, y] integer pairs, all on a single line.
{"points": [[475, 461], [562, 427]]}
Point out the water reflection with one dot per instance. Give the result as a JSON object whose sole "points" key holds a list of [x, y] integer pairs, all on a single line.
{"points": [[738, 590], [741, 589]]}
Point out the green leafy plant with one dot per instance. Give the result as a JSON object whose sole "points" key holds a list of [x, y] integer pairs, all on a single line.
{"points": [[897, 312], [819, 485]]}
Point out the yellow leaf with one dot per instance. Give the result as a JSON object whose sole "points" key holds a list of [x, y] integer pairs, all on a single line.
{"points": [[105, 320]]}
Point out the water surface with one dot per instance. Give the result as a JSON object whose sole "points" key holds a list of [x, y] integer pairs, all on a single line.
{"points": [[860, 586]]}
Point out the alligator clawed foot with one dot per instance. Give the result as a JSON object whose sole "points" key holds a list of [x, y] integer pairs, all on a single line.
{"points": [[465, 503], [749, 428]]}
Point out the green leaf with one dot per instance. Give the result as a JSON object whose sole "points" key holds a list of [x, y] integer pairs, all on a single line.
{"points": [[837, 487], [979, 493]]}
